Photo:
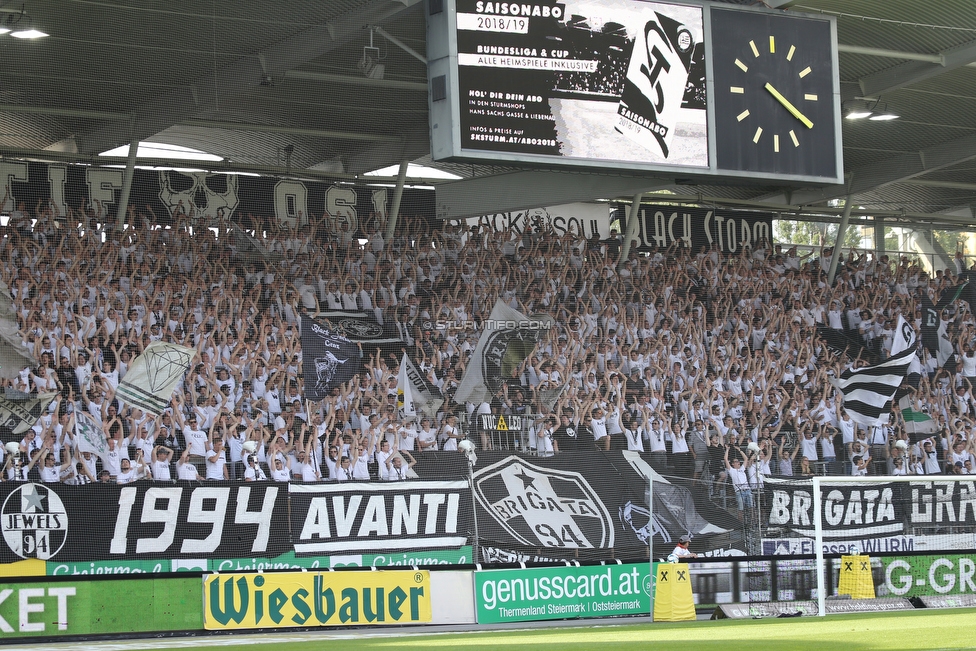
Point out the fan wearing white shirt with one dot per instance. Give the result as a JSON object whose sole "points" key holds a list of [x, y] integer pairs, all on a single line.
{"points": [[395, 470], [598, 425], [162, 456]]}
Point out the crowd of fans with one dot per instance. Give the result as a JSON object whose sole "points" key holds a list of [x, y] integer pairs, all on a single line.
{"points": [[710, 364]]}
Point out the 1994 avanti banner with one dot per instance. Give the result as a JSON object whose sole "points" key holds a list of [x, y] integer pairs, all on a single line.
{"points": [[527, 509]]}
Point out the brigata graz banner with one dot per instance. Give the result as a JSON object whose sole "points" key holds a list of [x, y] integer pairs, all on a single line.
{"points": [[874, 511], [662, 226], [574, 505]]}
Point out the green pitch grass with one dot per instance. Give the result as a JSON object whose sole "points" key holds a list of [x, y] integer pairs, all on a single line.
{"points": [[896, 631]]}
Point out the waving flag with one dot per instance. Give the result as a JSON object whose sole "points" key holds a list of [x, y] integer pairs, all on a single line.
{"points": [[328, 359], [868, 392], [154, 374]]}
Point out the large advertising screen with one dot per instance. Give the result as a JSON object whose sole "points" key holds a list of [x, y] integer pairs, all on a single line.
{"points": [[686, 87], [609, 80]]}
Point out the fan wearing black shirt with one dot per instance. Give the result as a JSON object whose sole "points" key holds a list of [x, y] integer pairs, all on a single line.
{"points": [[566, 437]]}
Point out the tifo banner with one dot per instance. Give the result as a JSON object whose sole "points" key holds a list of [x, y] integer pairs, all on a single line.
{"points": [[17, 415], [88, 433], [360, 327], [13, 356], [871, 545], [236, 601], [336, 518], [167, 192], [562, 593], [84, 607], [414, 391], [551, 508], [329, 359], [729, 230], [154, 374], [580, 506], [577, 219], [142, 521], [507, 340], [852, 512]]}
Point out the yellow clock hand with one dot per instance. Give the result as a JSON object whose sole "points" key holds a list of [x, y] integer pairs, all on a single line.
{"points": [[789, 107]]}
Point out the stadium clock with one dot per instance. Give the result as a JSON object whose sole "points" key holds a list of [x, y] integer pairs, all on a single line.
{"points": [[775, 109]]}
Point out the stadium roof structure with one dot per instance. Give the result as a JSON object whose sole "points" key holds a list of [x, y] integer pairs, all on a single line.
{"points": [[274, 88]]}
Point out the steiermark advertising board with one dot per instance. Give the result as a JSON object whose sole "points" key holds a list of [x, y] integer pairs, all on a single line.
{"points": [[562, 592], [84, 607], [287, 561]]}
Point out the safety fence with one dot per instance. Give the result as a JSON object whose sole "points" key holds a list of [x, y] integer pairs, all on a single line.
{"points": [[90, 605]]}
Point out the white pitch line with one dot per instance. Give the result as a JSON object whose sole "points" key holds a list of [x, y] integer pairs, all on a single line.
{"points": [[234, 639]]}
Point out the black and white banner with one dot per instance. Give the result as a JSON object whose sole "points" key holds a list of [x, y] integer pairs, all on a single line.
{"points": [[17, 415], [337, 518], [167, 192], [662, 226], [577, 506], [144, 520], [871, 511], [501, 423], [578, 219], [582, 506], [414, 391], [359, 327], [508, 338], [154, 374], [328, 359]]}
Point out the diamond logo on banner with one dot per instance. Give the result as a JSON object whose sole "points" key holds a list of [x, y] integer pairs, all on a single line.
{"points": [[165, 365], [544, 506]]}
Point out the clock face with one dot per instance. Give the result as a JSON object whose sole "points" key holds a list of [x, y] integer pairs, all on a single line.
{"points": [[773, 88]]}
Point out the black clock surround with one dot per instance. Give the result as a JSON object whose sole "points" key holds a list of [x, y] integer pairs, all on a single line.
{"points": [[774, 107]]}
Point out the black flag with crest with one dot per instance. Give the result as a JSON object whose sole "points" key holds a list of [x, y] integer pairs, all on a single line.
{"points": [[328, 359]]}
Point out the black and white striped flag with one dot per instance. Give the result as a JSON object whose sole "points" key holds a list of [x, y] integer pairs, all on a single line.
{"points": [[868, 392]]}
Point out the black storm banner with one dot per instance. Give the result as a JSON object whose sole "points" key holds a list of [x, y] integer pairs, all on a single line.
{"points": [[612, 80], [730, 230], [328, 359]]}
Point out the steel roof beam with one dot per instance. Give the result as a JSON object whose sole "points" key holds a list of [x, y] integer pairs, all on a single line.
{"points": [[519, 190], [234, 80], [349, 80], [892, 170], [63, 112], [294, 131], [912, 72]]}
